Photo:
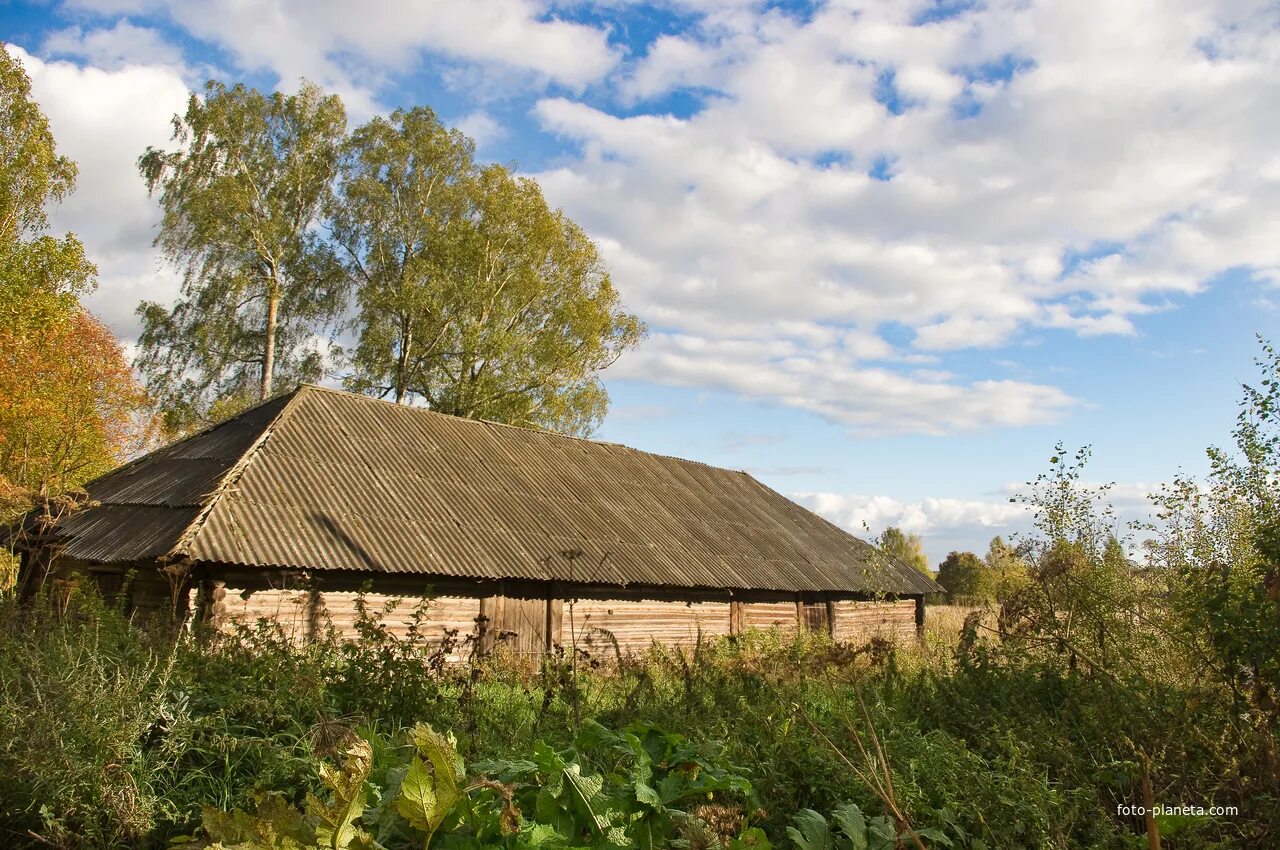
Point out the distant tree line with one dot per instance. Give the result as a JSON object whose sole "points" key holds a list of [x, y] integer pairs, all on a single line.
{"points": [[966, 577]]}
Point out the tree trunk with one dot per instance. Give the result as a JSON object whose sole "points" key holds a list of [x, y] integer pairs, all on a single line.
{"points": [[269, 343], [402, 362]]}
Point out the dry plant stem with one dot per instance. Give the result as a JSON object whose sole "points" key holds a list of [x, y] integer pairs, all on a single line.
{"points": [[880, 782], [1149, 806]]}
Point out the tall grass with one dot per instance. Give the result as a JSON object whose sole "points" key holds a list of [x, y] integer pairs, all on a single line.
{"points": [[114, 736]]}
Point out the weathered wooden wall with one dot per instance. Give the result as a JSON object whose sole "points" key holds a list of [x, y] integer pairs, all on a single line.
{"points": [[527, 617], [859, 620], [288, 608], [636, 624], [768, 615], [532, 625], [302, 613], [442, 614]]}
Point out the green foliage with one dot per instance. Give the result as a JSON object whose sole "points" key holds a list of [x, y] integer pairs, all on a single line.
{"points": [[969, 579], [962, 574], [398, 219], [1003, 750], [474, 295], [1218, 543], [1005, 570], [1083, 600], [1098, 676], [853, 831], [433, 784], [241, 196], [79, 691], [322, 825], [571, 805], [908, 548], [32, 173]]}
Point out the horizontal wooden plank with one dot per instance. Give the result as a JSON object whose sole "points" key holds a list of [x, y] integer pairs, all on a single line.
{"points": [[768, 615], [286, 607], [397, 613], [860, 621], [636, 625]]}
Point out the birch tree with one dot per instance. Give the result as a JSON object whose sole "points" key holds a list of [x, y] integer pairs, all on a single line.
{"points": [[241, 195], [398, 216], [475, 297]]}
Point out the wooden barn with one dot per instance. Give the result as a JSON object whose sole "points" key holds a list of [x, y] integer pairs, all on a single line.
{"points": [[295, 506]]}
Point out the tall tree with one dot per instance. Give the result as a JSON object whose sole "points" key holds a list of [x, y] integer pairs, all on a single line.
{"points": [[32, 176], [962, 574], [32, 173], [68, 402], [399, 214], [1005, 570], [1218, 540], [474, 295], [75, 417], [908, 548], [241, 196]]}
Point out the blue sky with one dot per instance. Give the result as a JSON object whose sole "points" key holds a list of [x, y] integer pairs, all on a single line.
{"points": [[889, 252]]}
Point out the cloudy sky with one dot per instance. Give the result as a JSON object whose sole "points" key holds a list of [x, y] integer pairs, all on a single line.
{"points": [[889, 252]]}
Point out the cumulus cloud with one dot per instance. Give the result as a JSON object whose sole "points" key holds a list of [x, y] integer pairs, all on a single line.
{"points": [[351, 48], [1012, 167], [826, 381], [482, 127], [114, 47], [943, 524], [855, 193], [927, 516], [966, 524], [104, 120]]}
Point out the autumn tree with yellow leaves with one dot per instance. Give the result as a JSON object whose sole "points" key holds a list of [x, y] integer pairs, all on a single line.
{"points": [[70, 408]]}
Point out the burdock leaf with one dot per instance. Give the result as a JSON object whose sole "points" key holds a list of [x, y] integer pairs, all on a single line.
{"points": [[431, 787]]}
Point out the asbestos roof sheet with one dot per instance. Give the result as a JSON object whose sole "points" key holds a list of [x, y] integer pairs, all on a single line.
{"points": [[320, 479]]}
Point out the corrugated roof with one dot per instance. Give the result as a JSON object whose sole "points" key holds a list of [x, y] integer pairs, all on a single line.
{"points": [[320, 479]]}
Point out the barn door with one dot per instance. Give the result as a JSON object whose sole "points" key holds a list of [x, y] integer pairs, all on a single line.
{"points": [[815, 617], [527, 619]]}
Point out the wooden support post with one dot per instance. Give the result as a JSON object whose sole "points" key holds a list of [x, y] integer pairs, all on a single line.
{"points": [[315, 614], [831, 618], [801, 620], [737, 617], [34, 566], [920, 617], [555, 618], [210, 608], [487, 624]]}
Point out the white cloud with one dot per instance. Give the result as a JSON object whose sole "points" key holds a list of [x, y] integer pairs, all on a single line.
{"points": [[946, 524], [350, 48], [481, 127], [829, 382], [1069, 167], [104, 120], [943, 524], [1029, 134], [927, 516], [113, 48]]}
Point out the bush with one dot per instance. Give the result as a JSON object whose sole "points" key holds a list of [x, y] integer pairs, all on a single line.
{"points": [[117, 736]]}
